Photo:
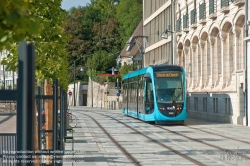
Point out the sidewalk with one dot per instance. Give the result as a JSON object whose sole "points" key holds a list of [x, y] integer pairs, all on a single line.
{"points": [[7, 123]]}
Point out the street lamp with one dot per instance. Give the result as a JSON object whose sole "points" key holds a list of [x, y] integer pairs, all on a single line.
{"points": [[164, 35]]}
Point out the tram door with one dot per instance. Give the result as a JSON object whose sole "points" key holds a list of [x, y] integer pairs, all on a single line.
{"points": [[140, 97], [148, 97]]}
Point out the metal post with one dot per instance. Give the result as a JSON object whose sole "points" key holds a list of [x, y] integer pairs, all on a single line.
{"points": [[31, 112], [173, 35], [61, 118], [133, 62], [4, 87], [55, 115], [13, 81], [246, 50], [74, 83], [21, 125], [91, 85], [39, 118], [61, 134], [55, 119]]}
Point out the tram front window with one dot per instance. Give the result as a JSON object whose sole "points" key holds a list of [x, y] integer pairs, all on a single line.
{"points": [[168, 89]]}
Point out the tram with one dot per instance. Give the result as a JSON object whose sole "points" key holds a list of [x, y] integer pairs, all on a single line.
{"points": [[156, 94]]}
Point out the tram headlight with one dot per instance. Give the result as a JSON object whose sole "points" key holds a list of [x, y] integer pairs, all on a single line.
{"points": [[162, 108]]}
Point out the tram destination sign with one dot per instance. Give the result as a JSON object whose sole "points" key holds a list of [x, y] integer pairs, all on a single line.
{"points": [[167, 75]]}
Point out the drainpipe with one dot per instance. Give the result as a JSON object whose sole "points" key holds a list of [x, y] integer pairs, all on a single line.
{"points": [[245, 53], [173, 36]]}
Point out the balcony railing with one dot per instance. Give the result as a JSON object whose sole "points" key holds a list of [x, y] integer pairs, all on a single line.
{"points": [[202, 11]]}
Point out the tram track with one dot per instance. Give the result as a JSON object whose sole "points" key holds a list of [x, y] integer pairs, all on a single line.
{"points": [[205, 143], [209, 132], [208, 144], [235, 139], [157, 142], [228, 151], [119, 146]]}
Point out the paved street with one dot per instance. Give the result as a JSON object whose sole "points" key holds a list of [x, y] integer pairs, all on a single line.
{"points": [[7, 123], [93, 147]]}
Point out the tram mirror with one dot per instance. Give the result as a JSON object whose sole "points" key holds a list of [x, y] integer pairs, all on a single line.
{"points": [[147, 76]]}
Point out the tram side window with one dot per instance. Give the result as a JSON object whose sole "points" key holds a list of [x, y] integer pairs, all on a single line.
{"points": [[140, 94], [131, 94], [125, 93]]}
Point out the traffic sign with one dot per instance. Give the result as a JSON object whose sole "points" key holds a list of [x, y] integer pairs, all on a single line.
{"points": [[70, 93], [118, 94]]}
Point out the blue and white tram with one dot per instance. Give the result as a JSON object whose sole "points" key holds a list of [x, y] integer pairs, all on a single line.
{"points": [[156, 94]]}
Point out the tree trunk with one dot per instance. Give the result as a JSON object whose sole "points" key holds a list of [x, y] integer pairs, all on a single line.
{"points": [[48, 119]]}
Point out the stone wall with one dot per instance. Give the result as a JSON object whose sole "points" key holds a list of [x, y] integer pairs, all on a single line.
{"points": [[103, 96]]}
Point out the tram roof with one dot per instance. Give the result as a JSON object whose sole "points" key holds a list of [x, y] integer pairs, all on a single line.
{"points": [[147, 69]]}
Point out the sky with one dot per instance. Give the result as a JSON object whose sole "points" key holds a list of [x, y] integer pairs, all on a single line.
{"points": [[67, 4]]}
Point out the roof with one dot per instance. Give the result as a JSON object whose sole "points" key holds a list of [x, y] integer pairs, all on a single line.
{"points": [[134, 51]]}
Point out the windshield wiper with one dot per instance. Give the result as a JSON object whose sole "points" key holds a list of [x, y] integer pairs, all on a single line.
{"points": [[176, 95]]}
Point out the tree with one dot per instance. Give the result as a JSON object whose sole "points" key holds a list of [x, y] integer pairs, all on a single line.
{"points": [[49, 39], [79, 26], [15, 22], [39, 22], [128, 14], [101, 61], [92, 28], [125, 69]]}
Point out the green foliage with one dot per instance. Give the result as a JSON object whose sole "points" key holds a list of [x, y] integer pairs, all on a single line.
{"points": [[79, 26], [94, 30], [106, 7], [39, 22], [16, 21], [101, 80], [129, 14], [97, 32], [9, 87], [125, 69], [101, 61]]}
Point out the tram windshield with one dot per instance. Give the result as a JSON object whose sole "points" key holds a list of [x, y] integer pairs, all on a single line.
{"points": [[169, 86]]}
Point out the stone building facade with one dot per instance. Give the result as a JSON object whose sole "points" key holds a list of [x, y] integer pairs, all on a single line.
{"points": [[205, 37]]}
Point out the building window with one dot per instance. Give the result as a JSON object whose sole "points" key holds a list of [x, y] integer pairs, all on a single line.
{"points": [[185, 21], [202, 11], [215, 105], [212, 6], [204, 104], [188, 103], [196, 103], [224, 3], [178, 25], [227, 106], [193, 16]]}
